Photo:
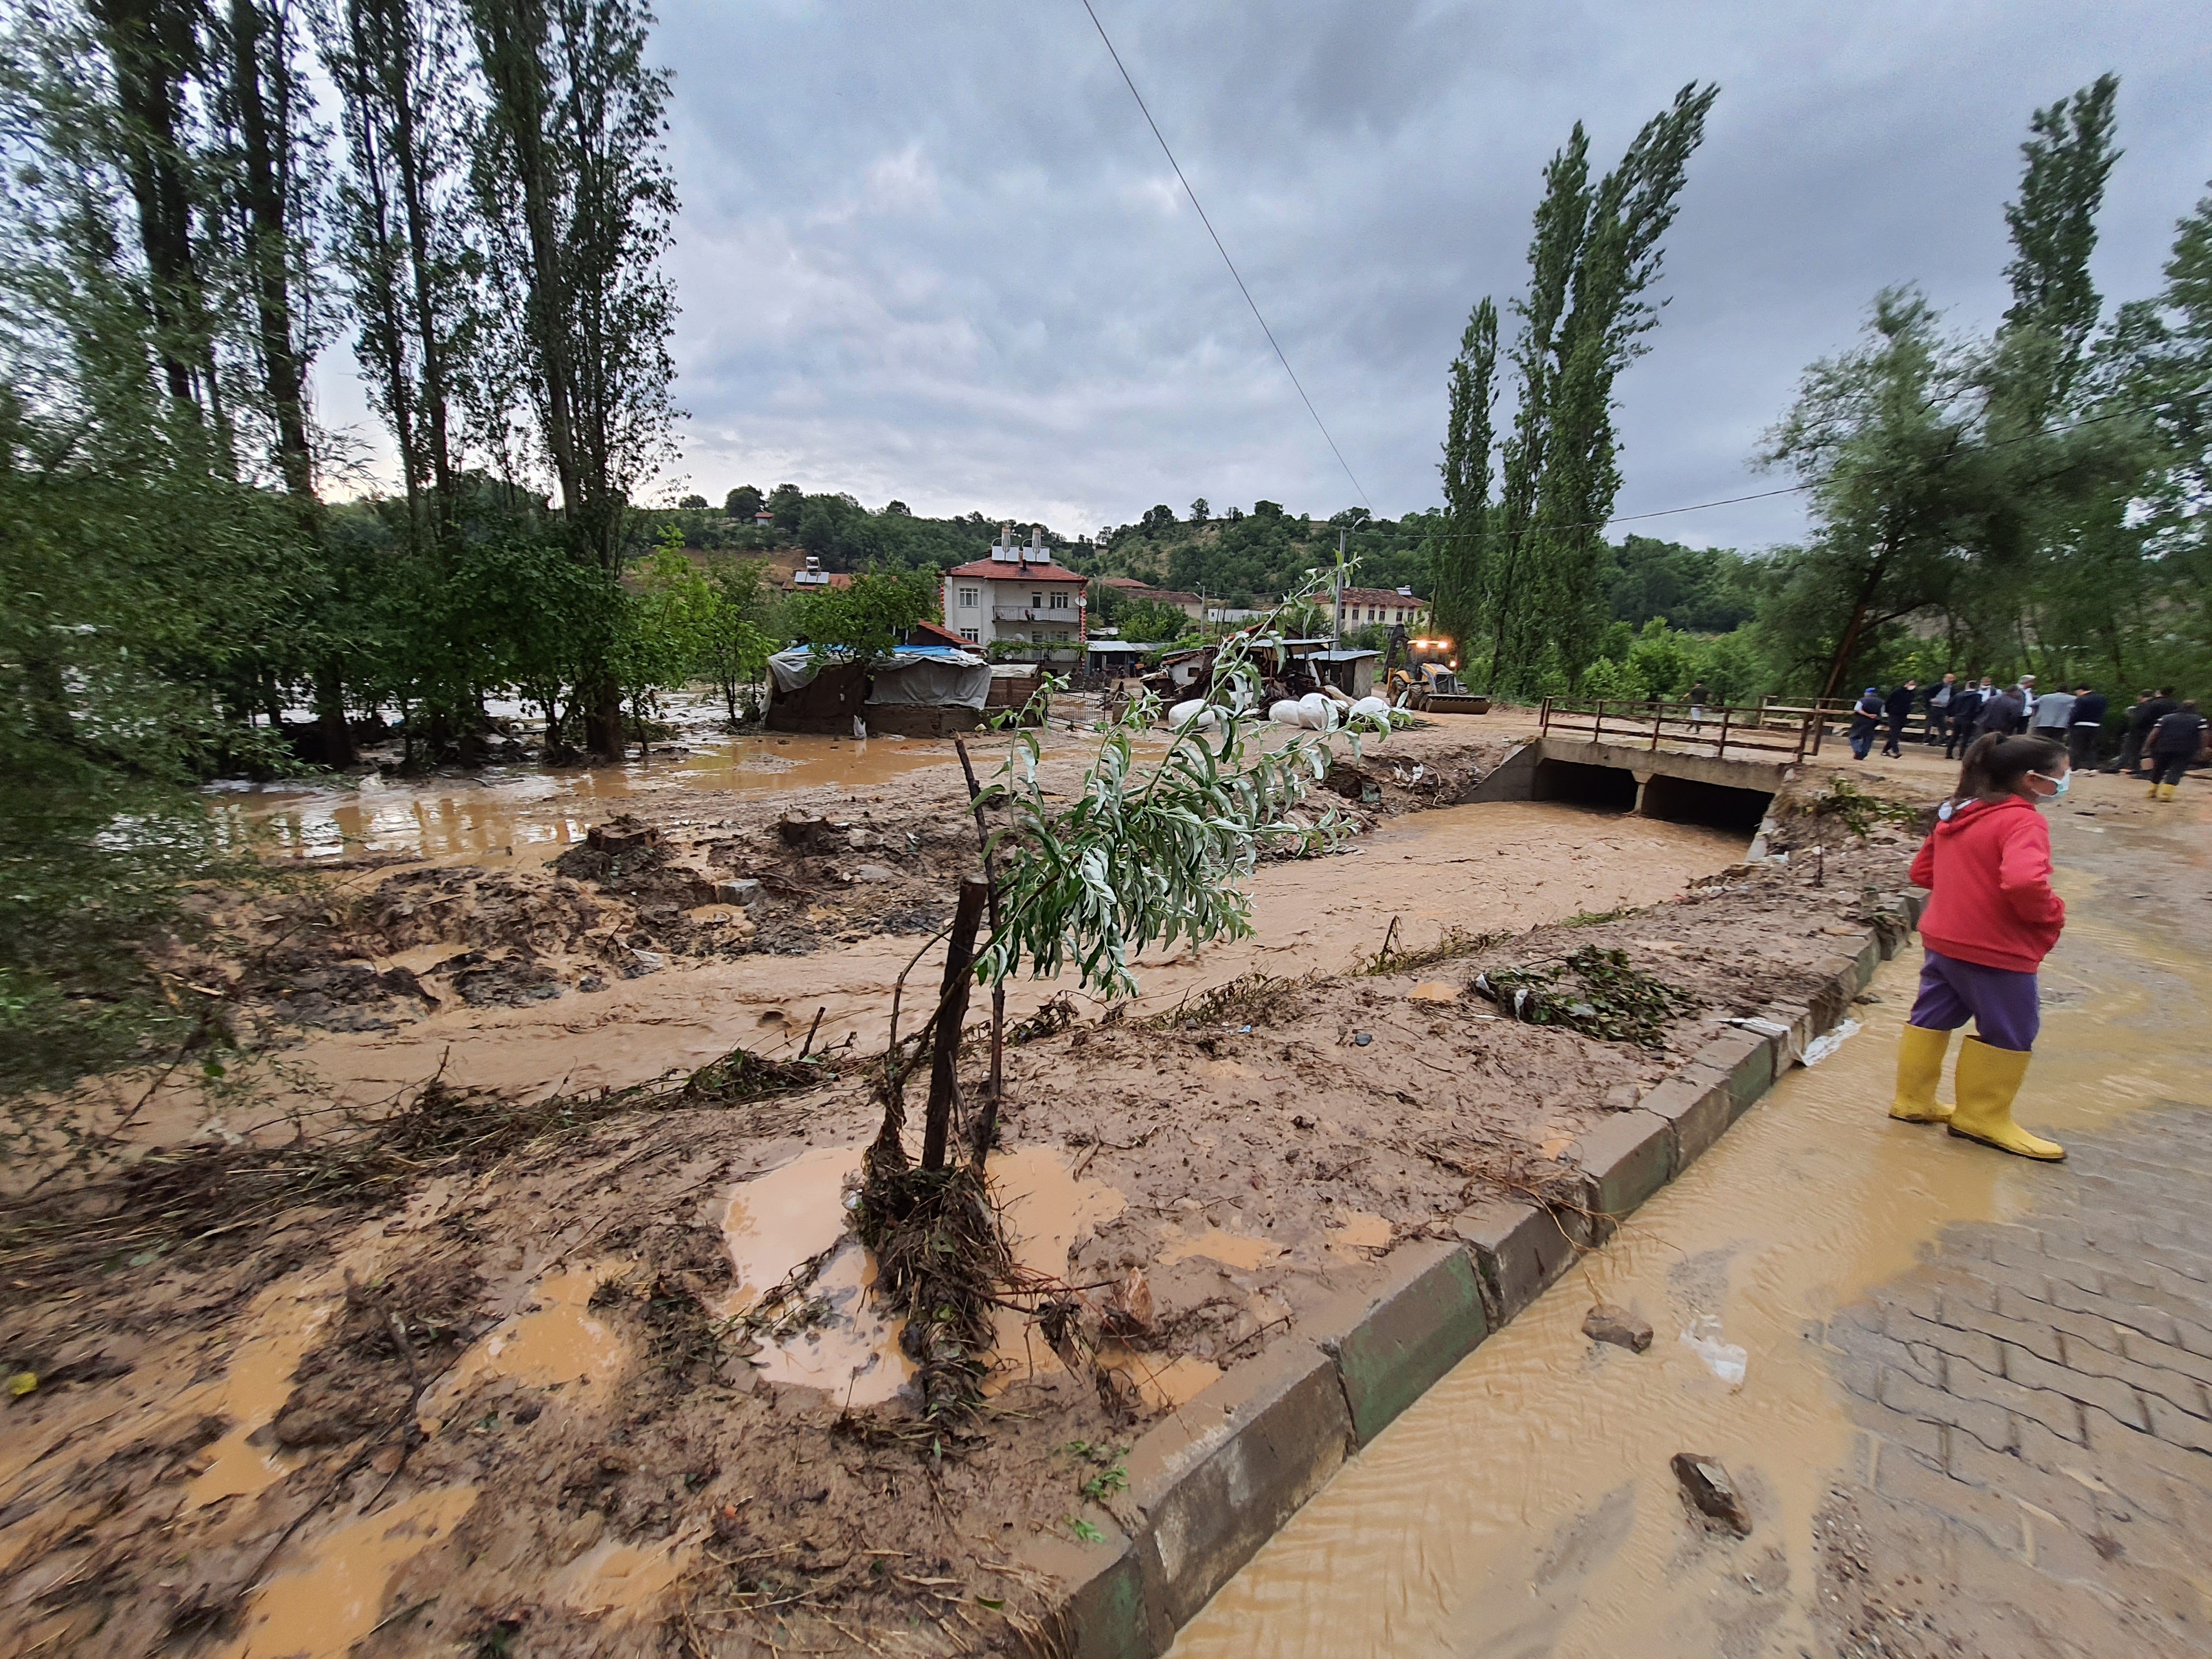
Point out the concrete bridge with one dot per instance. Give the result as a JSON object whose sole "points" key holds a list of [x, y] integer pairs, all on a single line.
{"points": [[1729, 793]]}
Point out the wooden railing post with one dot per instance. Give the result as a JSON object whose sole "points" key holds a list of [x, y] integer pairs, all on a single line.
{"points": [[1544, 718], [1721, 751]]}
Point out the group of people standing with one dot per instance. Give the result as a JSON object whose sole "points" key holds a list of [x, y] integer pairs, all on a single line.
{"points": [[2161, 739]]}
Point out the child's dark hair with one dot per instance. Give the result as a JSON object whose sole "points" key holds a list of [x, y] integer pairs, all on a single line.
{"points": [[1995, 764]]}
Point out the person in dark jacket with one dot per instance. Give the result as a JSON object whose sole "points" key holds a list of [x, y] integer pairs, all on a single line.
{"points": [[1966, 709], [2150, 708], [1899, 707], [1939, 698], [2001, 713], [2083, 736], [2175, 743], [1866, 720]]}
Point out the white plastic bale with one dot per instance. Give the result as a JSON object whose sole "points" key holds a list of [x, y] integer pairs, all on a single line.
{"points": [[1317, 712], [1285, 713], [1196, 708], [1375, 706]]}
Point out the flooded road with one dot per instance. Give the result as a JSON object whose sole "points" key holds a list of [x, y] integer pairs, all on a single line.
{"points": [[1525, 1505], [1501, 865]]}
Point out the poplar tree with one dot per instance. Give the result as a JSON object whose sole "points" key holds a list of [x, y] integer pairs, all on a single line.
{"points": [[1455, 558], [1526, 575], [572, 182]]}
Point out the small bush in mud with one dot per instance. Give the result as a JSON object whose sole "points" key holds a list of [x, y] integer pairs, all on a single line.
{"points": [[1594, 991]]}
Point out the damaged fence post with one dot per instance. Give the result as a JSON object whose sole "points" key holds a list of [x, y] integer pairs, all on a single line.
{"points": [[951, 1014]]}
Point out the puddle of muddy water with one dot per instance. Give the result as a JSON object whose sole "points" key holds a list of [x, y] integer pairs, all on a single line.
{"points": [[1525, 1506], [776, 1220], [553, 1342], [319, 1609]]}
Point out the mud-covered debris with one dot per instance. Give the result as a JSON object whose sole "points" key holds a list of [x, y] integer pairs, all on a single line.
{"points": [[1607, 1323], [622, 834], [745, 892], [1592, 990], [1706, 1484]]}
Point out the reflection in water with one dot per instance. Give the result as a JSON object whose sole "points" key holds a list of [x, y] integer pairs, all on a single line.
{"points": [[1524, 1505], [792, 1215], [502, 810]]}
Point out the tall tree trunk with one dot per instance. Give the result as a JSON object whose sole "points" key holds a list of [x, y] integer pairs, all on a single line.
{"points": [[154, 48], [270, 238]]}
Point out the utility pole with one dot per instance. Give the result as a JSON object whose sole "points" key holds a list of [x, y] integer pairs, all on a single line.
{"points": [[1337, 629]]}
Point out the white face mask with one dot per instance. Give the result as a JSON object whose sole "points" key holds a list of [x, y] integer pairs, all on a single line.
{"points": [[2059, 785]]}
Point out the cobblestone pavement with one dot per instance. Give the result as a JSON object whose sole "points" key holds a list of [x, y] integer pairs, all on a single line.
{"points": [[2034, 1475]]}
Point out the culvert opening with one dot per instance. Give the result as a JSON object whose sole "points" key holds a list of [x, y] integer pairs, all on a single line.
{"points": [[1718, 805], [1609, 787]]}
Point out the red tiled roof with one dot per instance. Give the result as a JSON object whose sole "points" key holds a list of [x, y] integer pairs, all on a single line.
{"points": [[996, 571], [1366, 596], [930, 633]]}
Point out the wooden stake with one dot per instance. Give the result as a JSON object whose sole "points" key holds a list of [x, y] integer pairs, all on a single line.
{"points": [[951, 1014]]}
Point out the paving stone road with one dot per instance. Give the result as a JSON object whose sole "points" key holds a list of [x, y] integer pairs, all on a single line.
{"points": [[2034, 1475]]}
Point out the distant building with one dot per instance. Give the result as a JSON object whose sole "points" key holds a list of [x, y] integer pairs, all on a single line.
{"points": [[1363, 606], [1130, 588], [1016, 596]]}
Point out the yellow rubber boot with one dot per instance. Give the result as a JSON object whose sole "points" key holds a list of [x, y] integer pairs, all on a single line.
{"points": [[2165, 791], [2155, 789], [1987, 1079], [1919, 1067]]}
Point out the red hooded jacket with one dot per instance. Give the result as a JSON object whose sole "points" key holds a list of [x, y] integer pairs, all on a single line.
{"points": [[1988, 870]]}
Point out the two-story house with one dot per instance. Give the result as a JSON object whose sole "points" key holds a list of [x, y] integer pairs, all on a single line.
{"points": [[1363, 606], [1017, 595]]}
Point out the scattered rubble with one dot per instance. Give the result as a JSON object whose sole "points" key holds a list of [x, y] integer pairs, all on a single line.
{"points": [[1706, 1486], [1607, 1323]]}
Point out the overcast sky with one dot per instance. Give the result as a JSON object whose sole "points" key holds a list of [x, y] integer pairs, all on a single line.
{"points": [[933, 253]]}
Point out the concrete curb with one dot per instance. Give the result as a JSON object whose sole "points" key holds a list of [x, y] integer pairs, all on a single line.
{"points": [[1214, 1481]]}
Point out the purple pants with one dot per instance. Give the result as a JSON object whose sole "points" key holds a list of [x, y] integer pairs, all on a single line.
{"points": [[2001, 1001]]}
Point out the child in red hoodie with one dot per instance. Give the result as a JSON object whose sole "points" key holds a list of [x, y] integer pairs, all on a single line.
{"points": [[1991, 918]]}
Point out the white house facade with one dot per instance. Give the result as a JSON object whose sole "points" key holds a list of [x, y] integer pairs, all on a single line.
{"points": [[1016, 596]]}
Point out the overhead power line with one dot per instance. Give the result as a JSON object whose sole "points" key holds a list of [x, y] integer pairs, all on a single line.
{"points": [[1799, 488], [1224, 251]]}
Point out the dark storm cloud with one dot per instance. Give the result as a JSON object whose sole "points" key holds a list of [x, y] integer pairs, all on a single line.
{"points": [[933, 253]]}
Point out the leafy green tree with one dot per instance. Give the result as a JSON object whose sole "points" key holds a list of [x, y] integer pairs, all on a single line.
{"points": [[787, 502], [741, 633], [667, 629], [743, 502], [1198, 511], [866, 620]]}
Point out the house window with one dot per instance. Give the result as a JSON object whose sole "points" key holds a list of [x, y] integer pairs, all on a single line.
{"points": [[968, 634], [1060, 601], [968, 597], [1037, 601]]}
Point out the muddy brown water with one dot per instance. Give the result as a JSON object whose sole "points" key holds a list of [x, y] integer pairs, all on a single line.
{"points": [[1503, 864], [531, 811], [1525, 1506]]}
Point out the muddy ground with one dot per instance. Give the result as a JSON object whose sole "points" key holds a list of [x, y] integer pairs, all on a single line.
{"points": [[506, 1373]]}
